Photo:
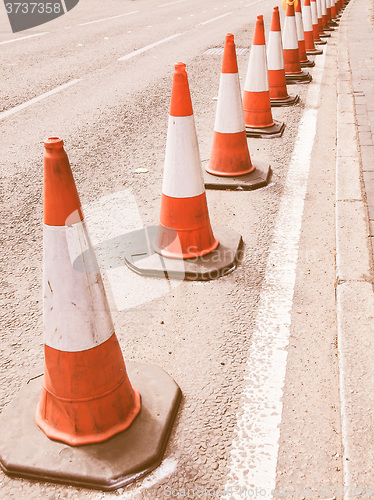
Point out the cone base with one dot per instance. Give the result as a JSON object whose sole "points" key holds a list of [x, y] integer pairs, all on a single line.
{"points": [[325, 35], [307, 64], [141, 258], [275, 130], [287, 101], [328, 28], [25, 451], [333, 24], [257, 179], [315, 52], [320, 42], [302, 77]]}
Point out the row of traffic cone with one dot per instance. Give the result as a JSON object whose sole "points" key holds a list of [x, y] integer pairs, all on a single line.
{"points": [[86, 397]]}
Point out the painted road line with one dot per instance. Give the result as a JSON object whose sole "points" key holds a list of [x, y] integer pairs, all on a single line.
{"points": [[148, 47], [256, 443], [214, 19], [109, 18], [253, 3], [11, 111], [24, 38], [170, 3]]}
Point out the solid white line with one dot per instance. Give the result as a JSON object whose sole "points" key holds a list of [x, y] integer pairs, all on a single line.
{"points": [[11, 111], [148, 47], [256, 444], [170, 3], [253, 3], [24, 38], [108, 18], [214, 19]]}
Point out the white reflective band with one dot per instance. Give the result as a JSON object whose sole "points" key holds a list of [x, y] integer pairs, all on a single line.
{"points": [[324, 11], [313, 6], [275, 51], [307, 18], [229, 114], [183, 175], [299, 26], [76, 311], [319, 9], [289, 34], [257, 79]]}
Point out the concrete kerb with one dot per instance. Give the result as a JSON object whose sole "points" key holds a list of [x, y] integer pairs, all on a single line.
{"points": [[354, 288]]}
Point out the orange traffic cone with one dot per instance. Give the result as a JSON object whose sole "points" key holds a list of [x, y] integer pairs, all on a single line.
{"points": [[325, 22], [79, 333], [322, 33], [230, 156], [86, 396], [304, 61], [317, 40], [184, 231], [294, 73], [334, 20], [256, 99], [308, 30], [277, 76]]}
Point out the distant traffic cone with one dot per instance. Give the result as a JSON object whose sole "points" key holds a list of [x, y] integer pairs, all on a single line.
{"points": [[230, 154], [256, 99], [308, 30], [304, 61], [294, 73], [277, 77], [317, 39], [184, 232], [86, 395], [325, 23], [322, 33]]}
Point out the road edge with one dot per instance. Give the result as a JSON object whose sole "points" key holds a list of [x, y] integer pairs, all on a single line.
{"points": [[354, 287]]}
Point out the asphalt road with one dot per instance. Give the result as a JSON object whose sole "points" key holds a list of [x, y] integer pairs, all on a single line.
{"points": [[250, 417]]}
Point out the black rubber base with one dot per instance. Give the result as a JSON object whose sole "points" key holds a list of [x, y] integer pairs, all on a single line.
{"points": [[289, 101], [333, 24], [320, 42], [268, 132], [316, 52], [325, 35], [328, 28], [303, 77], [259, 178], [307, 64], [25, 451], [141, 258]]}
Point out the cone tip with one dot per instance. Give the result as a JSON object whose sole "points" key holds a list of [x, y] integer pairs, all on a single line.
{"points": [[229, 37], [53, 142], [260, 19], [180, 67]]}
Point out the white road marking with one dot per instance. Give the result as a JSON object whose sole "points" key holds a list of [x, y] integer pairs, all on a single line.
{"points": [[253, 3], [11, 111], [256, 444], [170, 3], [24, 38], [148, 47], [109, 18], [214, 19]]}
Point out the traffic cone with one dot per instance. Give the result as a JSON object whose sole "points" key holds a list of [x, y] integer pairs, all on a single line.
{"points": [[304, 61], [322, 34], [230, 156], [308, 30], [256, 99], [184, 231], [79, 333], [294, 73], [334, 19], [277, 77], [86, 395], [325, 23], [317, 40]]}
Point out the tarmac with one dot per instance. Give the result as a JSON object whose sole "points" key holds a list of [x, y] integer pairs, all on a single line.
{"points": [[354, 240]]}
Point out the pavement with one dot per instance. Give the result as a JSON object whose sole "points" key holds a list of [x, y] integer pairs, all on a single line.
{"points": [[354, 238]]}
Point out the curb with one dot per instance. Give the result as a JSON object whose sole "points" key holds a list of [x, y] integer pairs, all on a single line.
{"points": [[354, 287]]}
